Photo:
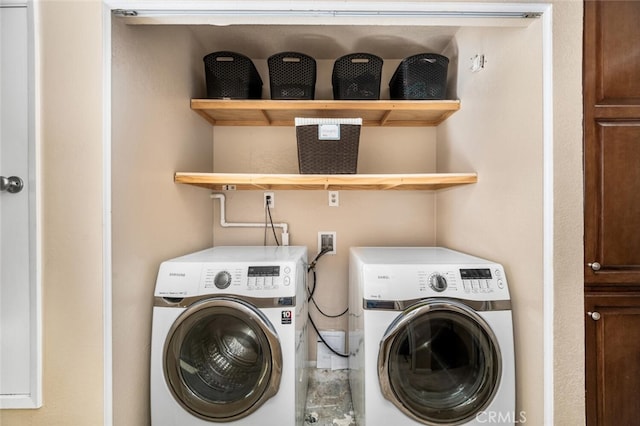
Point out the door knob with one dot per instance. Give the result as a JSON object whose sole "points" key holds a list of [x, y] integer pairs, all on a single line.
{"points": [[595, 266], [594, 315], [11, 184]]}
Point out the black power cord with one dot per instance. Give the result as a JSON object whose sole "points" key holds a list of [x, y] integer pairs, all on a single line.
{"points": [[312, 268], [311, 299], [267, 212], [312, 265], [313, 324]]}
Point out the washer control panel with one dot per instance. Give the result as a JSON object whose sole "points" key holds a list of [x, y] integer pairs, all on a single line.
{"points": [[267, 277], [252, 271], [256, 277]]}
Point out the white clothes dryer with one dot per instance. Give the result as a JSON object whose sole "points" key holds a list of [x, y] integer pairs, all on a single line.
{"points": [[229, 341], [430, 338]]}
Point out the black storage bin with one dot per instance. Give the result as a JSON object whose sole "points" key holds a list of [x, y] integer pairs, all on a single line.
{"points": [[422, 76], [292, 75], [357, 76], [317, 155], [231, 75]]}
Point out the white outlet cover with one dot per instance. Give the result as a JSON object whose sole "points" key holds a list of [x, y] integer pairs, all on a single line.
{"points": [[334, 198]]}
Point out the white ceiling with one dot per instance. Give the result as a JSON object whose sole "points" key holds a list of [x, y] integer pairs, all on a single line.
{"points": [[322, 41], [327, 30], [391, 30]]}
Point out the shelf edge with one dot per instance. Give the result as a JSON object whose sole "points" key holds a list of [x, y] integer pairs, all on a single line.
{"points": [[242, 181]]}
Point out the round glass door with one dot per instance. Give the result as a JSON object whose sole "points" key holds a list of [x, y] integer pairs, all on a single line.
{"points": [[222, 359], [439, 363]]}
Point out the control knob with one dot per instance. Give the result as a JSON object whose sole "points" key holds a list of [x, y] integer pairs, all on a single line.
{"points": [[222, 280], [437, 282]]}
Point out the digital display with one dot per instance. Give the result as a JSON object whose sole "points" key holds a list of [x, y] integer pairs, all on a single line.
{"points": [[264, 271], [475, 274]]}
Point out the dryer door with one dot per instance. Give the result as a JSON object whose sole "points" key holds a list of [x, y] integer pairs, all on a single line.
{"points": [[222, 359], [439, 362]]}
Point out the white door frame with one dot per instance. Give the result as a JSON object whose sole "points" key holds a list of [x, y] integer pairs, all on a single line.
{"points": [[244, 12]]}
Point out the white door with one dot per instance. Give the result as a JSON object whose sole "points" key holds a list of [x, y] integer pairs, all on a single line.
{"points": [[19, 291]]}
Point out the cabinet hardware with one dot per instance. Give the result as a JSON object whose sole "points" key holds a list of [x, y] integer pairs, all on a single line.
{"points": [[595, 266], [594, 315]]}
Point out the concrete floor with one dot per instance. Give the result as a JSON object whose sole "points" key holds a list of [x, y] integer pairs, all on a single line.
{"points": [[329, 399]]}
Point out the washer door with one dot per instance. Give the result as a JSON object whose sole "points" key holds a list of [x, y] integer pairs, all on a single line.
{"points": [[222, 359], [439, 362]]}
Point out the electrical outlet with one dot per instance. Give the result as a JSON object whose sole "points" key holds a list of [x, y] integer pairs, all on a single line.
{"points": [[327, 239], [477, 63], [270, 198], [334, 199]]}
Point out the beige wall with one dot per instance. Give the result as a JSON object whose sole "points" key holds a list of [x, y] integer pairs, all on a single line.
{"points": [[70, 125], [498, 132], [154, 134], [71, 69], [568, 259]]}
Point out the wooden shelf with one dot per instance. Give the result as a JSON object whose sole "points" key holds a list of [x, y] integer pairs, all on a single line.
{"points": [[261, 112], [242, 181]]}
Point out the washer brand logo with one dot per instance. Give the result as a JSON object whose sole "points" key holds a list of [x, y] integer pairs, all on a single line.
{"points": [[177, 274], [286, 317], [384, 277]]}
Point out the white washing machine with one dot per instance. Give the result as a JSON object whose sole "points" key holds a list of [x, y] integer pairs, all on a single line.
{"points": [[229, 341], [431, 338]]}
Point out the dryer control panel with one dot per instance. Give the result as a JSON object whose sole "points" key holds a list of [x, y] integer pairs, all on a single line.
{"points": [[481, 280], [404, 282], [474, 280], [410, 273]]}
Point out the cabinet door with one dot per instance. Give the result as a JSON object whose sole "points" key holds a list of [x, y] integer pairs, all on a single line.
{"points": [[612, 359], [612, 142]]}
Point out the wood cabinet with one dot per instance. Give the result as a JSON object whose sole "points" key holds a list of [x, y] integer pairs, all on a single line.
{"points": [[613, 361], [612, 211], [282, 113], [612, 142]]}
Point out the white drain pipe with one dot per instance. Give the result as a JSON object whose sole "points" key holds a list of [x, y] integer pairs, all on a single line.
{"points": [[225, 224]]}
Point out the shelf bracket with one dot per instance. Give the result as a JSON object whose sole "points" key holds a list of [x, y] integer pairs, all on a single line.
{"points": [[385, 117], [390, 186], [267, 119]]}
